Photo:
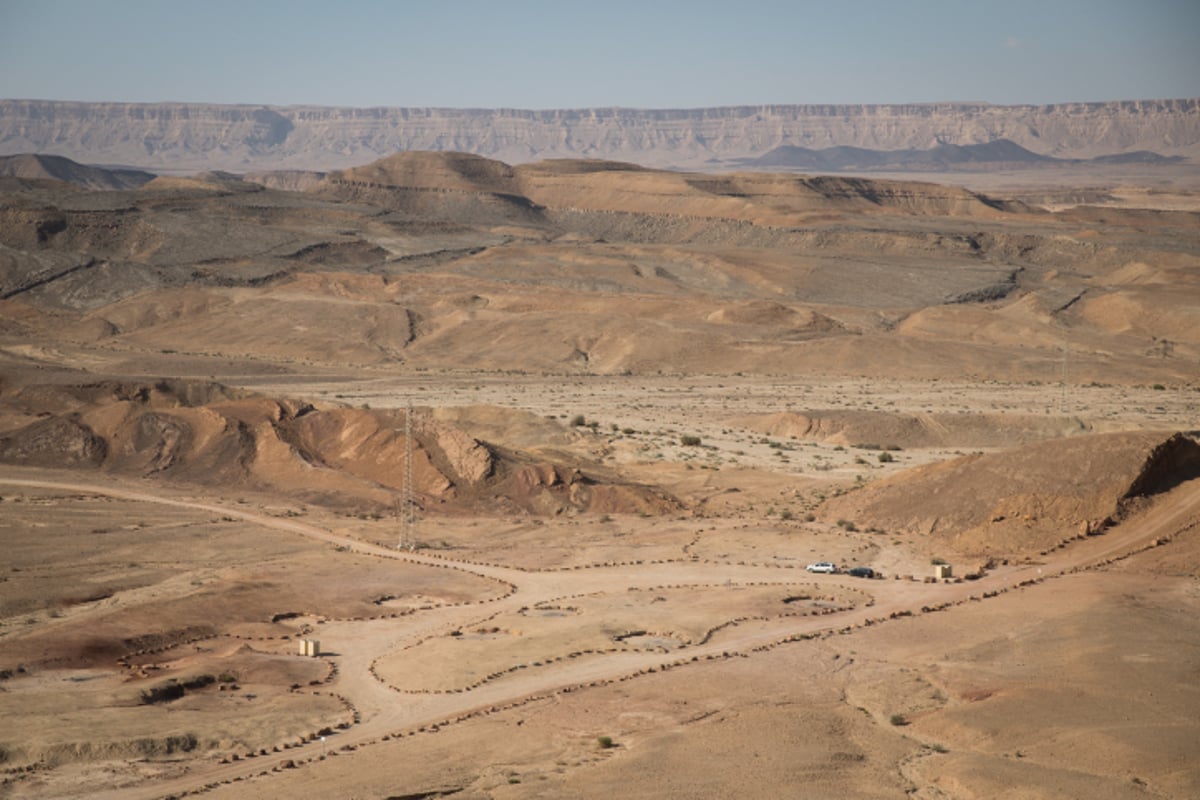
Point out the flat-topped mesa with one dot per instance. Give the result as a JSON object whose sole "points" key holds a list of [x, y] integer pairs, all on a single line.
{"points": [[196, 136]]}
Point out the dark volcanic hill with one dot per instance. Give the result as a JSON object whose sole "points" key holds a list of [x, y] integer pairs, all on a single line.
{"points": [[998, 154], [194, 137], [34, 166]]}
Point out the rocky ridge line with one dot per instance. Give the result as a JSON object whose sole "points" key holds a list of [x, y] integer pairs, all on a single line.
{"points": [[193, 136]]}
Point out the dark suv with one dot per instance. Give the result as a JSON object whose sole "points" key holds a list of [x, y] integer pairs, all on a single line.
{"points": [[861, 572]]}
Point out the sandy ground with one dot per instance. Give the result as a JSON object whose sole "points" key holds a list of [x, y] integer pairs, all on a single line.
{"points": [[739, 356], [738, 625]]}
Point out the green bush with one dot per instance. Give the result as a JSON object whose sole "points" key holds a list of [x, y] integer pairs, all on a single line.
{"points": [[886, 458], [689, 441], [605, 742], [578, 421], [898, 719]]}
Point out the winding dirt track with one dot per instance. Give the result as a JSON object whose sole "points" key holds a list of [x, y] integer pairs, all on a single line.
{"points": [[385, 710]]}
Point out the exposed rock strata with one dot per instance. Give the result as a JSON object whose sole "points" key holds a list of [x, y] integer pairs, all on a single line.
{"points": [[192, 137]]}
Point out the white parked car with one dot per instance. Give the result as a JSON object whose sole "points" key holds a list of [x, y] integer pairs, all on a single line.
{"points": [[822, 566]]}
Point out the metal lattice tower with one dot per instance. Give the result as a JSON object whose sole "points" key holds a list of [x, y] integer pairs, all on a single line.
{"points": [[408, 501], [1066, 401]]}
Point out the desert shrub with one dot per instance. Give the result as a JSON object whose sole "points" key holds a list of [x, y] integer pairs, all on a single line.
{"points": [[605, 742], [199, 682], [810, 517], [898, 719], [173, 689], [786, 514], [578, 421], [181, 743], [689, 441], [162, 694], [937, 562], [1158, 387], [886, 458]]}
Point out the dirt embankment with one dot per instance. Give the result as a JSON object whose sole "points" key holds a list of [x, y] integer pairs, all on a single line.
{"points": [[888, 430], [1028, 499]]}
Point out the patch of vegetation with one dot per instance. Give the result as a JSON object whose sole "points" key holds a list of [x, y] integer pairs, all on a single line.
{"points": [[161, 694], [173, 689], [898, 720], [886, 458], [937, 562], [605, 742], [689, 441], [578, 421]]}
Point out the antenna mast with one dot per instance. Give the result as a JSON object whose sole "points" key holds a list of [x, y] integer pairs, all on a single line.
{"points": [[408, 502], [1066, 405]]}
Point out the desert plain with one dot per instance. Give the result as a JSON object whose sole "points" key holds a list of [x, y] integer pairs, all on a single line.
{"points": [[539, 454]]}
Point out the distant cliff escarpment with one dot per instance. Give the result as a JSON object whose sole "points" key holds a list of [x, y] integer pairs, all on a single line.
{"points": [[192, 136]]}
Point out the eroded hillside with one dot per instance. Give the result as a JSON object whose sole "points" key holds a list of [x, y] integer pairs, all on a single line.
{"points": [[434, 261], [441, 475]]}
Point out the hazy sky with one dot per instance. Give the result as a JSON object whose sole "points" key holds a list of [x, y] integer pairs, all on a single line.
{"points": [[567, 54]]}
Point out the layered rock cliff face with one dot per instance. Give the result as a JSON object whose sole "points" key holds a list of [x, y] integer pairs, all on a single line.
{"points": [[177, 136]]}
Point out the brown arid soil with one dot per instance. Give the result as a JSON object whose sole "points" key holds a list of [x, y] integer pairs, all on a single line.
{"points": [[539, 455]]}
